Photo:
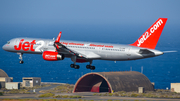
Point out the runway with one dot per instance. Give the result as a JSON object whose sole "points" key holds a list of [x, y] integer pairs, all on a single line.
{"points": [[85, 95]]}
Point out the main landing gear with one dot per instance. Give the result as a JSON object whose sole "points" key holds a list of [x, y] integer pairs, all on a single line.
{"points": [[90, 67], [21, 58], [87, 66], [74, 66], [73, 58]]}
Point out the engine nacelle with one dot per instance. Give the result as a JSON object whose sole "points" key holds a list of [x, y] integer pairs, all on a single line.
{"points": [[52, 56]]}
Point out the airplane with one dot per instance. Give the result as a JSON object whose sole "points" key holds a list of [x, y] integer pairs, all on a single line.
{"points": [[80, 52]]}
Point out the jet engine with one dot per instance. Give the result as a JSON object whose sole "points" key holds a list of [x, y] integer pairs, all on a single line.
{"points": [[52, 56]]}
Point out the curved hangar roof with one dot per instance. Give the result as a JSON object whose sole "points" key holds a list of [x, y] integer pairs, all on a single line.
{"points": [[3, 73], [112, 81]]}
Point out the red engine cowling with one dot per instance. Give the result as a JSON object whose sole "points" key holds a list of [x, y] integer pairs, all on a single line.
{"points": [[52, 56]]}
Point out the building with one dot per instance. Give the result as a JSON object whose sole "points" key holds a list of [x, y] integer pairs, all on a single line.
{"points": [[3, 73], [31, 81], [4, 78], [175, 87], [12, 85], [112, 82]]}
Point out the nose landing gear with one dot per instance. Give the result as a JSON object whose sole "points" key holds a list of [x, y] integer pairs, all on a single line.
{"points": [[21, 61], [21, 58]]}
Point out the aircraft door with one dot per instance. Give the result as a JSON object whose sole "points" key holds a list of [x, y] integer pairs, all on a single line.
{"points": [[46, 45], [129, 51], [99, 50]]}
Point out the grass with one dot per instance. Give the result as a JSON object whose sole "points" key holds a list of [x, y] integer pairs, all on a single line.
{"points": [[134, 95], [44, 100], [23, 90], [66, 96], [64, 88], [1, 93], [46, 95], [59, 96], [17, 91], [159, 93]]}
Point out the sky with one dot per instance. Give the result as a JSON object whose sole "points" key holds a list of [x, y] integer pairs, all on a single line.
{"points": [[22, 18], [88, 12], [107, 21]]}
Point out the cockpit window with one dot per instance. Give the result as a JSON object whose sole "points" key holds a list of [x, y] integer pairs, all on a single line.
{"points": [[8, 42]]}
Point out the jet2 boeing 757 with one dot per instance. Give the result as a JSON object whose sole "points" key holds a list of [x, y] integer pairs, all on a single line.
{"points": [[53, 50]]}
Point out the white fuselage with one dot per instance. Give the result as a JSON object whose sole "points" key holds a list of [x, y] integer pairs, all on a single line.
{"points": [[100, 51], [53, 50]]}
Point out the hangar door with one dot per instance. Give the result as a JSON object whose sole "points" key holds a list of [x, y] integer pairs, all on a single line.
{"points": [[92, 83]]}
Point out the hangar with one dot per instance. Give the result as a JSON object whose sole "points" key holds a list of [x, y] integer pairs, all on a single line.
{"points": [[3, 78], [3, 73], [112, 81]]}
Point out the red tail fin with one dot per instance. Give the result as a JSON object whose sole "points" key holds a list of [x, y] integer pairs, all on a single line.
{"points": [[150, 38]]}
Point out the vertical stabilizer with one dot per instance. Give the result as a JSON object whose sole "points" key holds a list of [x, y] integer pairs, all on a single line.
{"points": [[150, 38]]}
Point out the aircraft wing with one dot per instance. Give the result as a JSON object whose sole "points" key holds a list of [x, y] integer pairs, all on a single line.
{"points": [[60, 48], [88, 54]]}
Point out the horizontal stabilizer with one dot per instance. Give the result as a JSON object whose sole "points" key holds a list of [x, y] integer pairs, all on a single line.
{"points": [[150, 52], [145, 51], [169, 51]]}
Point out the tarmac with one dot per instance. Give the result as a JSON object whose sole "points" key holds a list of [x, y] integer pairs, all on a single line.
{"points": [[44, 88]]}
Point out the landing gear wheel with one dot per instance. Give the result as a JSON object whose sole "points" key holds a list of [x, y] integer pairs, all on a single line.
{"points": [[72, 65], [76, 66], [88, 66], [21, 62], [92, 67]]}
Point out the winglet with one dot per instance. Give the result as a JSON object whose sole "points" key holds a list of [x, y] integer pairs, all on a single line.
{"points": [[150, 38], [58, 38]]}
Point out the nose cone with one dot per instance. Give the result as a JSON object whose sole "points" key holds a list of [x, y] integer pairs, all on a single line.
{"points": [[6, 47]]}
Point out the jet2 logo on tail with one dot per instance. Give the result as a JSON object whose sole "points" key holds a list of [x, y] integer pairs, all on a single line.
{"points": [[148, 33]]}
